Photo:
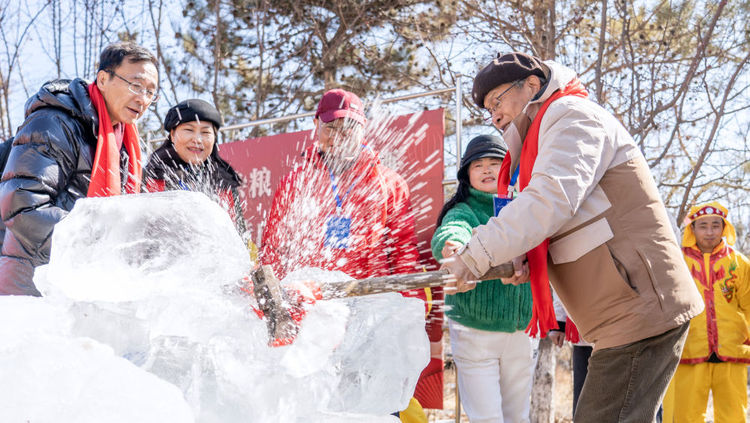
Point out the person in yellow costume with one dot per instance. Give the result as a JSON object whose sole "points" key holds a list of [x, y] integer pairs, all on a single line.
{"points": [[717, 349]]}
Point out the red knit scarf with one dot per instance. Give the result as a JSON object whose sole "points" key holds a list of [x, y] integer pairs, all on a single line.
{"points": [[105, 173], [543, 312]]}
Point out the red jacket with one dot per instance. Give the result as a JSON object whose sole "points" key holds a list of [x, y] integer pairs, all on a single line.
{"points": [[382, 239]]}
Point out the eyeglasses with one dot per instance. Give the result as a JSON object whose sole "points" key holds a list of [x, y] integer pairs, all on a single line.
{"points": [[491, 110], [346, 130], [139, 89]]}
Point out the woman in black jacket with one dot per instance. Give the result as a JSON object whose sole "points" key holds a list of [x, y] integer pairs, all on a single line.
{"points": [[189, 158]]}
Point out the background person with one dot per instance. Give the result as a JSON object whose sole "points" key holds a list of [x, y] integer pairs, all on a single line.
{"points": [[493, 355], [341, 209], [189, 158], [717, 349], [78, 140]]}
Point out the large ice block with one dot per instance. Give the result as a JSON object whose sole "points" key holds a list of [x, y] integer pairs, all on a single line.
{"points": [[127, 247], [157, 279]]}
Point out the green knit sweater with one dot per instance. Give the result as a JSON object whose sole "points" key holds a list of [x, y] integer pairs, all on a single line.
{"points": [[491, 305]]}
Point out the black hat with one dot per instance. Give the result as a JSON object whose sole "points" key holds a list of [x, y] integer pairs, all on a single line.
{"points": [[480, 147], [505, 68], [192, 110]]}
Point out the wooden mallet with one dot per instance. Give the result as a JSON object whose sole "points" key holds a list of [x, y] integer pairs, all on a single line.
{"points": [[274, 305]]}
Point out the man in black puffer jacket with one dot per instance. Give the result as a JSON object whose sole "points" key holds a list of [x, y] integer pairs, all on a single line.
{"points": [[51, 161]]}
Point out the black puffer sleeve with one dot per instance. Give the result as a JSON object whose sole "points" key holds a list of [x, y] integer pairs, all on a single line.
{"points": [[42, 159]]}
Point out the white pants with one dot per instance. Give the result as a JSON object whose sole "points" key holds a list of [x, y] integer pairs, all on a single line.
{"points": [[495, 371]]}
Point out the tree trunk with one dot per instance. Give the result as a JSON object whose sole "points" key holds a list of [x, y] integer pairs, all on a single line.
{"points": [[542, 399]]}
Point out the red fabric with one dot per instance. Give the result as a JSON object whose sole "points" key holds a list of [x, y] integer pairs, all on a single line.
{"points": [[503, 181], [571, 332], [382, 238], [156, 185], [435, 315], [105, 173], [429, 389], [543, 313]]}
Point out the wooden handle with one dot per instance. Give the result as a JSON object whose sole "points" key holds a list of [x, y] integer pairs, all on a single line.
{"points": [[504, 270], [381, 284], [403, 282]]}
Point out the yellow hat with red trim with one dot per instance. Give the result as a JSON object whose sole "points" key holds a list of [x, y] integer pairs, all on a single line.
{"points": [[713, 208]]}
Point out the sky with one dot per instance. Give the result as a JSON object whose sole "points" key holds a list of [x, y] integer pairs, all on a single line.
{"points": [[35, 62]]}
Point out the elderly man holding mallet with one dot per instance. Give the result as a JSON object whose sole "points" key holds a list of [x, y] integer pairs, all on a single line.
{"points": [[578, 205]]}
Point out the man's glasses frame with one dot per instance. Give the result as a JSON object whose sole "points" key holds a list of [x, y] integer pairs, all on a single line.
{"points": [[491, 109], [138, 89], [347, 129]]}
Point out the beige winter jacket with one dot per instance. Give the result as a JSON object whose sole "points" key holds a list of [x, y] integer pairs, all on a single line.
{"points": [[613, 258]]}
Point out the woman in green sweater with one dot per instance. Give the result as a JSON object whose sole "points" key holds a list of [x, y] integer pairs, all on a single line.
{"points": [[493, 354]]}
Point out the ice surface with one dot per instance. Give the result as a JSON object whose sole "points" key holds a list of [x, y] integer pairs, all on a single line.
{"points": [[146, 287], [50, 376], [137, 245]]}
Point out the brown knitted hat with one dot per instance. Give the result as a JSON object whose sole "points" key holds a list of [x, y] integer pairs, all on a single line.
{"points": [[503, 69]]}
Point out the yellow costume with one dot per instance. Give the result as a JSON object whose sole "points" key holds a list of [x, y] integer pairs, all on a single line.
{"points": [[717, 349]]}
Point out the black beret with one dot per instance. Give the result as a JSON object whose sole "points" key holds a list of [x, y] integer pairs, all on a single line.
{"points": [[505, 68], [480, 147], [192, 110]]}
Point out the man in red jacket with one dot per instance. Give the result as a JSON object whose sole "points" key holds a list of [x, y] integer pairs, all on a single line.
{"points": [[341, 209]]}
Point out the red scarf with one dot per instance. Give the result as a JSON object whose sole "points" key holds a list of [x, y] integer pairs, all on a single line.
{"points": [[105, 173], [543, 312]]}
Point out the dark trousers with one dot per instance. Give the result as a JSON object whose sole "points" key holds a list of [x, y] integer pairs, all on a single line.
{"points": [[581, 354], [626, 384]]}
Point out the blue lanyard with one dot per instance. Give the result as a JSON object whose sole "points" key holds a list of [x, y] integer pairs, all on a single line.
{"points": [[335, 189], [515, 176], [512, 184]]}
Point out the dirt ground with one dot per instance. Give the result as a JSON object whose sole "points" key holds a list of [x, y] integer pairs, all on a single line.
{"points": [[563, 393]]}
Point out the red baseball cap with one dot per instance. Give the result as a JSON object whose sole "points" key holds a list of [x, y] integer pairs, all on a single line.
{"points": [[339, 103]]}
